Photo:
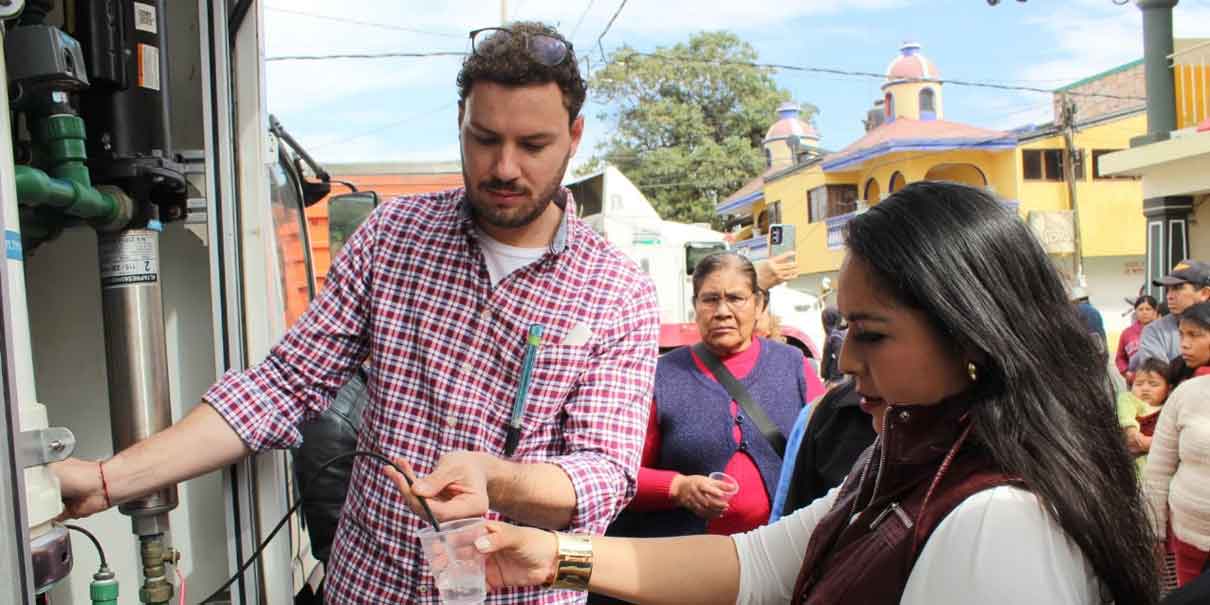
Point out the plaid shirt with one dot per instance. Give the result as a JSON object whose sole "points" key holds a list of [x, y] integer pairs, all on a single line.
{"points": [[411, 290]]}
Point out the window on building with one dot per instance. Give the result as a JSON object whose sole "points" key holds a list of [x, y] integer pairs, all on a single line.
{"points": [[1096, 166], [1042, 164], [889, 103], [768, 157], [817, 204], [928, 102], [827, 201], [774, 212]]}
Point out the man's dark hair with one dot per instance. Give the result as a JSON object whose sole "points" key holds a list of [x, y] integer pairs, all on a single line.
{"points": [[513, 66]]}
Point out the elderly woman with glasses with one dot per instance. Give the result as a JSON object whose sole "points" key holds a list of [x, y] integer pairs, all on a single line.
{"points": [[697, 426]]}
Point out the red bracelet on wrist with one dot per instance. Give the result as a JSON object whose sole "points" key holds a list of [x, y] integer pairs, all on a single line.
{"points": [[104, 484]]}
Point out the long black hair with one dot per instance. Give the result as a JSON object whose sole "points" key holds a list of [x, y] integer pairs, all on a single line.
{"points": [[1044, 406]]}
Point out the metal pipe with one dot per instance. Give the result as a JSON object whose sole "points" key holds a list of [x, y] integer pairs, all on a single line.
{"points": [[156, 589], [1157, 47], [136, 355]]}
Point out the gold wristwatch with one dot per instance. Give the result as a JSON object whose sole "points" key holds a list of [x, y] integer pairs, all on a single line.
{"points": [[573, 564]]}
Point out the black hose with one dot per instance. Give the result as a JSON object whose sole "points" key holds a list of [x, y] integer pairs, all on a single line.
{"points": [[95, 541], [323, 467]]}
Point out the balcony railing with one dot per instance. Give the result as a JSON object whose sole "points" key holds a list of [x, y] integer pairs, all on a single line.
{"points": [[1191, 74]]}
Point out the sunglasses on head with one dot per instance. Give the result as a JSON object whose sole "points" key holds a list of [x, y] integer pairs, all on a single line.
{"points": [[545, 49]]}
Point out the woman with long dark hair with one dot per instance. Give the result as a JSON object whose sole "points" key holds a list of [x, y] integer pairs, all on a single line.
{"points": [[999, 474]]}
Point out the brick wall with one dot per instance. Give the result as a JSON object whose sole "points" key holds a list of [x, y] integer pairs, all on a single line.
{"points": [[1127, 83]]}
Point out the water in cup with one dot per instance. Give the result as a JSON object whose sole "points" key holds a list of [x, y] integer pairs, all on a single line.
{"points": [[456, 564], [462, 584]]}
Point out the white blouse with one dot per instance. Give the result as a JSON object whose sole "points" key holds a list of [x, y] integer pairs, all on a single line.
{"points": [[998, 547]]}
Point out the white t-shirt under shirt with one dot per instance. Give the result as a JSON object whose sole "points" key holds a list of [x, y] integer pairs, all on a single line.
{"points": [[999, 546], [503, 259]]}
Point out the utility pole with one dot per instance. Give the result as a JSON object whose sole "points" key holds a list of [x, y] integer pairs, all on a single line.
{"points": [[1067, 118], [503, 13]]}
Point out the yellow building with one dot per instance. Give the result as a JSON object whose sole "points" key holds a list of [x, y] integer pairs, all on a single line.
{"points": [[908, 139], [1173, 166]]}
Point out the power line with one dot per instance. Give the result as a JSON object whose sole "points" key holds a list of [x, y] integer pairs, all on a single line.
{"points": [[581, 20], [880, 76], [381, 127], [777, 66], [368, 56], [400, 28], [608, 26]]}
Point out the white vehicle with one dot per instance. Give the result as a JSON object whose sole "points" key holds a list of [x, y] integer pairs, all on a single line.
{"points": [[669, 251]]}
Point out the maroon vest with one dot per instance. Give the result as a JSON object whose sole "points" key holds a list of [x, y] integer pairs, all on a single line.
{"points": [[921, 467]]}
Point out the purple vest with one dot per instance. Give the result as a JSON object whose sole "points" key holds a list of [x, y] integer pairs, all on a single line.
{"points": [[696, 426]]}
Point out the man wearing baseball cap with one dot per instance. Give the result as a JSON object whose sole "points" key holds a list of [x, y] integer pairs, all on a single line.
{"points": [[1186, 285]]}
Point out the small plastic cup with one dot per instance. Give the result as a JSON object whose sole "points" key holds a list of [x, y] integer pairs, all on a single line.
{"points": [[731, 486], [456, 564]]}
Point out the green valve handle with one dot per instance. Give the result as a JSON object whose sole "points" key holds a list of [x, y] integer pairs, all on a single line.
{"points": [[103, 590]]}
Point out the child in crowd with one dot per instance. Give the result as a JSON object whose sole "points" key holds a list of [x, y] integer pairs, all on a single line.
{"points": [[1195, 345], [1139, 408]]}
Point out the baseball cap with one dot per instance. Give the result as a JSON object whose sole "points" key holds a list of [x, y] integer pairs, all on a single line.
{"points": [[1188, 271]]}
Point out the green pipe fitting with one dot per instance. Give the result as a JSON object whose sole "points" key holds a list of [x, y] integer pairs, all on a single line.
{"points": [[61, 140], [103, 590], [36, 188]]}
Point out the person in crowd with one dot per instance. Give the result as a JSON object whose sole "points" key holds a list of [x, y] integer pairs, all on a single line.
{"points": [[1093, 322], [834, 334], [1146, 310], [1194, 359], [835, 432], [1177, 476], [697, 425], [442, 289], [1187, 285], [768, 324], [996, 477], [1139, 408]]}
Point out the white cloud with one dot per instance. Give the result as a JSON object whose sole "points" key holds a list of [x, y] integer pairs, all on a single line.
{"points": [[1088, 37], [1091, 36]]}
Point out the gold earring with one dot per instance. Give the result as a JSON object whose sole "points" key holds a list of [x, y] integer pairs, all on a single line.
{"points": [[972, 370]]}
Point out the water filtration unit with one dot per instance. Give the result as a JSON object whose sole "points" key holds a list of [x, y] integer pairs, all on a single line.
{"points": [[147, 218]]}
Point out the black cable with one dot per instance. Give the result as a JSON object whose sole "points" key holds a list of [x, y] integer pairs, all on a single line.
{"points": [[311, 482], [95, 541]]}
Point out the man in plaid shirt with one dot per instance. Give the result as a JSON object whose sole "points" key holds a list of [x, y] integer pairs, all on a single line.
{"points": [[439, 292]]}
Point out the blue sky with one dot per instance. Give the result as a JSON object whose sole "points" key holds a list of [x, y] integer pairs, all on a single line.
{"points": [[403, 109]]}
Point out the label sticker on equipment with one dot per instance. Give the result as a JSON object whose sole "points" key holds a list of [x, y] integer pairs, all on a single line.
{"points": [[12, 245], [129, 260], [149, 67], [144, 18]]}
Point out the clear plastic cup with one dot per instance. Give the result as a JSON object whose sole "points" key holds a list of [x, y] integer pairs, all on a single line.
{"points": [[456, 564], [730, 487]]}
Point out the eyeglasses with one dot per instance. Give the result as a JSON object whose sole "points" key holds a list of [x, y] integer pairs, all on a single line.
{"points": [[546, 50], [734, 301]]}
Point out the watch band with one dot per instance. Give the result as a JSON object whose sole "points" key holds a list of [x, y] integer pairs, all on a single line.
{"points": [[573, 564]]}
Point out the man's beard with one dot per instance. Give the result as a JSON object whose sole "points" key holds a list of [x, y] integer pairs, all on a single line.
{"points": [[516, 217]]}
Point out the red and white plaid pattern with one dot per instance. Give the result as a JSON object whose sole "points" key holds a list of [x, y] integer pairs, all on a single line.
{"points": [[411, 291]]}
